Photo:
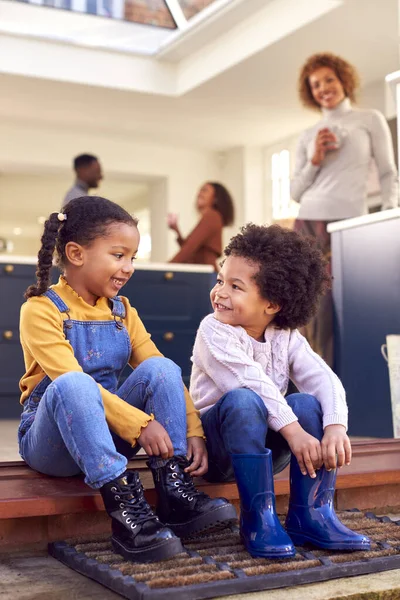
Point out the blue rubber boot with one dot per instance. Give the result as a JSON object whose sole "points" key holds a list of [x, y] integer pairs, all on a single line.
{"points": [[311, 516], [260, 529]]}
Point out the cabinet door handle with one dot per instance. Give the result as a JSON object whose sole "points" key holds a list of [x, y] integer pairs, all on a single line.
{"points": [[168, 336], [168, 275], [9, 269], [7, 335]]}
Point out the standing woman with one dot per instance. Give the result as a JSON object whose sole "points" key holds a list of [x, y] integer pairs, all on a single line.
{"points": [[332, 164], [203, 245]]}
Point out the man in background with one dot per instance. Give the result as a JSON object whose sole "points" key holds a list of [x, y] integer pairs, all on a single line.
{"points": [[88, 175]]}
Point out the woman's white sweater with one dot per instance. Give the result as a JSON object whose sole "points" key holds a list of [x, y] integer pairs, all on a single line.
{"points": [[337, 189]]}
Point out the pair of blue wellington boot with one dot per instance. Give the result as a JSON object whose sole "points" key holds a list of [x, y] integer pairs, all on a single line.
{"points": [[311, 518]]}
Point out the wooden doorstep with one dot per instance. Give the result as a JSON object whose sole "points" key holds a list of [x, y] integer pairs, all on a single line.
{"points": [[26, 493], [36, 509]]}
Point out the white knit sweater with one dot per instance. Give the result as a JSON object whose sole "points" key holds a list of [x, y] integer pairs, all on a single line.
{"points": [[226, 358], [338, 188]]}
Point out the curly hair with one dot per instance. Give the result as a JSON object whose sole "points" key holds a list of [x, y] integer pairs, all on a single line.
{"points": [[292, 271], [87, 218], [343, 70], [223, 202]]}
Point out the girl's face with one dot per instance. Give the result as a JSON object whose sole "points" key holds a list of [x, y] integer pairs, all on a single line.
{"points": [[205, 197], [236, 299], [103, 267], [326, 88]]}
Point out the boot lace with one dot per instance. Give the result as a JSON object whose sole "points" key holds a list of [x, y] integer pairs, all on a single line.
{"points": [[136, 509], [184, 481]]}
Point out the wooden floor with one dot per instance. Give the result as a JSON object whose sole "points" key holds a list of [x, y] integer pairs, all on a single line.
{"points": [[8, 440]]}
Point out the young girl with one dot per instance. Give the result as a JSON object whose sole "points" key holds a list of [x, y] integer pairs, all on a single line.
{"points": [[77, 336], [244, 355]]}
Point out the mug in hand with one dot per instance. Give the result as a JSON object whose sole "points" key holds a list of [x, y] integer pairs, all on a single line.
{"points": [[340, 135]]}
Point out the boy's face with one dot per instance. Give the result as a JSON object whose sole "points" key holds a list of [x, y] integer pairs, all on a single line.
{"points": [[236, 299]]}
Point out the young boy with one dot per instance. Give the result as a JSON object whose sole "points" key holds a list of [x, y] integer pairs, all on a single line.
{"points": [[244, 355]]}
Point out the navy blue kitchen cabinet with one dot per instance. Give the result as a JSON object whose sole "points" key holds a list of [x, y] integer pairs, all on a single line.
{"points": [[366, 293], [14, 279], [171, 304]]}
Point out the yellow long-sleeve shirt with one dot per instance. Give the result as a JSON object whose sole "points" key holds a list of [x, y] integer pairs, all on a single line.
{"points": [[48, 352]]}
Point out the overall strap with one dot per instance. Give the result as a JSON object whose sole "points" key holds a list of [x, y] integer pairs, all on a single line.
{"points": [[55, 298], [118, 307]]}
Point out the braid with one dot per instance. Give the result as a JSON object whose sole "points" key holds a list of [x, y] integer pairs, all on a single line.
{"points": [[45, 257]]}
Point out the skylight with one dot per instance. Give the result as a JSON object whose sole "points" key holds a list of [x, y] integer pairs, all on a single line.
{"points": [[145, 12], [134, 26]]}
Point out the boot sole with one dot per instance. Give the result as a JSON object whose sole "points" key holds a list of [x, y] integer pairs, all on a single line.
{"points": [[162, 551], [276, 555], [301, 540], [261, 554], [221, 516]]}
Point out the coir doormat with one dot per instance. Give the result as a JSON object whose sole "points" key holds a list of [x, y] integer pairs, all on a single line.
{"points": [[216, 564]]}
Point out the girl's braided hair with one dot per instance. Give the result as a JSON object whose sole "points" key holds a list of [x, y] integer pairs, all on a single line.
{"points": [[86, 219]]}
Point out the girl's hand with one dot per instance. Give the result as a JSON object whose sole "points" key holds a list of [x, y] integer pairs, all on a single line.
{"points": [[197, 452], [155, 440], [335, 443], [172, 221], [305, 447], [324, 142]]}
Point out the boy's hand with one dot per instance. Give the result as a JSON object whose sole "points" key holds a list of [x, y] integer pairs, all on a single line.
{"points": [[305, 447], [335, 442], [155, 440], [197, 452]]}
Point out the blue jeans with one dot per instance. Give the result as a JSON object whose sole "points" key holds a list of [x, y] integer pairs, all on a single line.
{"points": [[70, 434], [238, 424]]}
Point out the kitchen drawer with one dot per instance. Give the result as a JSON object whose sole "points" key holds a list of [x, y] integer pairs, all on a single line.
{"points": [[176, 345], [11, 361], [179, 298], [10, 408], [11, 370], [14, 279]]}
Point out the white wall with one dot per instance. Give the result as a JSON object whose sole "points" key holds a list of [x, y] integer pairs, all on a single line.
{"points": [[380, 96], [243, 172], [24, 197], [232, 175], [38, 149]]}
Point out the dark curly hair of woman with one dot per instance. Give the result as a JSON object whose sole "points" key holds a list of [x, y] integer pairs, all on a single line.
{"points": [[87, 218], [292, 273], [344, 71]]}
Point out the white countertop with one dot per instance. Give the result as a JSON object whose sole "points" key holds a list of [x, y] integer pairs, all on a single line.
{"points": [[384, 215], [139, 266]]}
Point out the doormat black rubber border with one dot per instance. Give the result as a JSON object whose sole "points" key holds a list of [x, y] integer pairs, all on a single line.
{"points": [[216, 564]]}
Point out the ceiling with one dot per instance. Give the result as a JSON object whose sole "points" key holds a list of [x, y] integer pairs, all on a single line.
{"points": [[130, 29]]}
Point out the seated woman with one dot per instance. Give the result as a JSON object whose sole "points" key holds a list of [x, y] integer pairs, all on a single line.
{"points": [[203, 246]]}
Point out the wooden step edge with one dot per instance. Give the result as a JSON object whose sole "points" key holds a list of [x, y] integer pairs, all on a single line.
{"points": [[359, 447], [20, 470], [91, 500]]}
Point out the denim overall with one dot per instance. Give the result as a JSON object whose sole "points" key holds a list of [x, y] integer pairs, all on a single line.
{"points": [[63, 430]]}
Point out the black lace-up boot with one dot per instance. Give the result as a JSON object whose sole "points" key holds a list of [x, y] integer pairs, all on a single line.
{"points": [[181, 506], [137, 532]]}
